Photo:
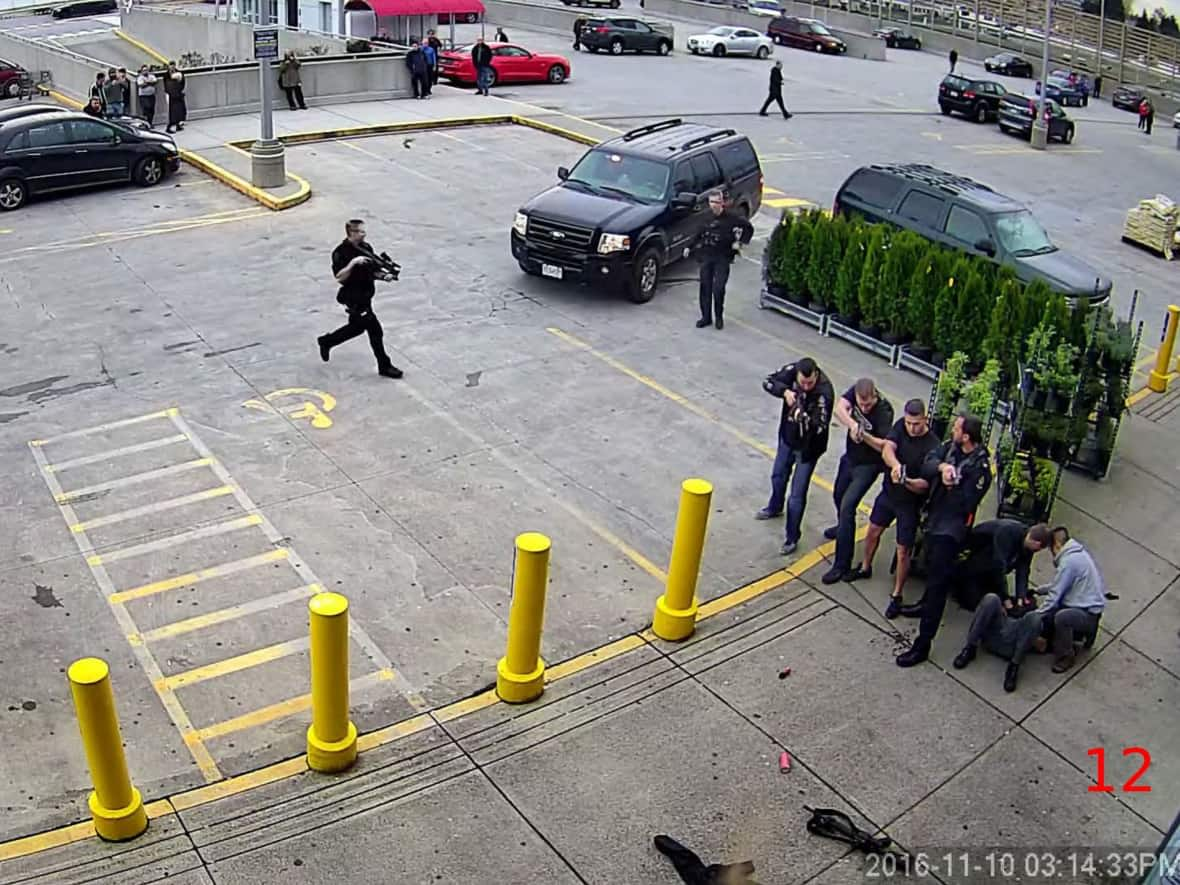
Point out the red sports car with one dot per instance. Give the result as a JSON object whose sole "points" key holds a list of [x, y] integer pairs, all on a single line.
{"points": [[512, 64]]}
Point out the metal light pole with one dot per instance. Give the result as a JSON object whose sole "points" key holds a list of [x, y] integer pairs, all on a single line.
{"points": [[268, 166], [1101, 23], [1040, 128]]}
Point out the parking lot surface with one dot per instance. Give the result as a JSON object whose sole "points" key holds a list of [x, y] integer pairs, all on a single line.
{"points": [[180, 472]]}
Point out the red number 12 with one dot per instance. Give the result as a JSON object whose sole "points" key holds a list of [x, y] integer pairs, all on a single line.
{"points": [[1099, 753]]}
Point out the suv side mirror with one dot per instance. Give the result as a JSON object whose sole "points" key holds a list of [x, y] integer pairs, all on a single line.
{"points": [[684, 200], [986, 246], [563, 173]]}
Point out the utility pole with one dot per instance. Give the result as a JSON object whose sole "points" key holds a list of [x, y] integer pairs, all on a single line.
{"points": [[268, 164], [1040, 128]]}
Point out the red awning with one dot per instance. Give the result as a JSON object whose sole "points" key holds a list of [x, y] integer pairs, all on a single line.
{"points": [[385, 8]]}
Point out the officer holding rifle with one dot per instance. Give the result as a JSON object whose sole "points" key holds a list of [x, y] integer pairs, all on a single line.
{"points": [[356, 266]]}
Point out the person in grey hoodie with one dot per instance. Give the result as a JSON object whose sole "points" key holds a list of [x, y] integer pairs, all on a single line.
{"points": [[1074, 601]]}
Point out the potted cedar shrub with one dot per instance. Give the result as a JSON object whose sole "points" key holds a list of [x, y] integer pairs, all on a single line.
{"points": [[1044, 484], [824, 263], [868, 288], [924, 285], [848, 275], [1036, 301], [895, 286], [798, 259], [1005, 326], [1038, 353], [973, 308], [777, 277], [982, 391], [1018, 493], [1062, 377], [947, 392], [946, 308], [1057, 317]]}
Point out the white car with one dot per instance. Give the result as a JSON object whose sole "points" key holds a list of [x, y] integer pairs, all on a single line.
{"points": [[768, 8], [1176, 121], [727, 40]]}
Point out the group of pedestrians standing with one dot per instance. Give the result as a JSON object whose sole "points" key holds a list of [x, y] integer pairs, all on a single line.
{"points": [[110, 95]]}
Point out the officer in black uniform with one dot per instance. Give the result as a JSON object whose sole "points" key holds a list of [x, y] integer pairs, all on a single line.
{"points": [[998, 548], [959, 473], [356, 272], [715, 246]]}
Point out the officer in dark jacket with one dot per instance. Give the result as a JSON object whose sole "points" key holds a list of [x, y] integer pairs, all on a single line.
{"points": [[959, 473], [481, 58], [776, 91], [356, 272], [1001, 547], [419, 67], [803, 428], [579, 26], [715, 247]]}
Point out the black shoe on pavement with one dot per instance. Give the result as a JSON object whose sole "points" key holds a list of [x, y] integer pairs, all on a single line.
{"points": [[965, 657], [917, 653], [720, 324], [894, 608], [834, 575], [390, 372], [766, 514], [763, 114], [324, 349], [859, 573], [913, 609], [831, 531], [1010, 677], [702, 322], [788, 115]]}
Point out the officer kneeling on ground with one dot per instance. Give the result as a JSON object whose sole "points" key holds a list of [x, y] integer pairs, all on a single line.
{"points": [[959, 473], [1001, 547], [716, 246]]}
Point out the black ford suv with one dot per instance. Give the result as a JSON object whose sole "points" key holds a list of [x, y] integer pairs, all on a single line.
{"points": [[631, 205], [971, 217], [977, 99], [619, 35]]}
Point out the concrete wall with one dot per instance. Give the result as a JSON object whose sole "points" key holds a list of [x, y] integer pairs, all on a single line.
{"points": [[532, 16], [860, 44], [72, 73], [174, 33]]}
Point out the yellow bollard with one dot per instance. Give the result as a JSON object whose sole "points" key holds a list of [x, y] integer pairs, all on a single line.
{"points": [[676, 611], [115, 805], [331, 737], [1158, 379], [520, 675]]}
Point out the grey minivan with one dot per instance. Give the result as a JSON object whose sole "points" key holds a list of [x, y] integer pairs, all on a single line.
{"points": [[966, 215]]}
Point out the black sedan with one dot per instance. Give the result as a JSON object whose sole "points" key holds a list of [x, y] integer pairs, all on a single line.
{"points": [[896, 38], [71, 150], [1008, 64], [1128, 98]]}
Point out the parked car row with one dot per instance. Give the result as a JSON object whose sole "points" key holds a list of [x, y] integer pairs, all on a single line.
{"points": [[46, 148]]}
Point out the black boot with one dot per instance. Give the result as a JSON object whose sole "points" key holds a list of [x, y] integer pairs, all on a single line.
{"points": [[702, 322], [913, 609], [894, 608], [325, 349], [1010, 676], [917, 653], [965, 657]]}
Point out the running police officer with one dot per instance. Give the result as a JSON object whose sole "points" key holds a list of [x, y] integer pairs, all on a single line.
{"points": [[715, 247], [355, 270], [901, 498], [959, 473]]}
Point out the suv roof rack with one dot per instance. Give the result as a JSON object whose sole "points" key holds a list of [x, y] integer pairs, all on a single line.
{"points": [[935, 177], [706, 138], [652, 127]]}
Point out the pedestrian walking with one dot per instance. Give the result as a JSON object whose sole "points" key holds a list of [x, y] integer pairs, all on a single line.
{"points": [[715, 246], [1098, 86], [959, 473], [1143, 114], [803, 427], [291, 81], [501, 37], [145, 90], [954, 59], [579, 26], [1150, 117], [355, 270], [113, 93], [174, 89], [419, 70], [436, 44], [775, 91], [481, 57]]}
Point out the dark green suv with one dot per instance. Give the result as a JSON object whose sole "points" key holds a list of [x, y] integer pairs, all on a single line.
{"points": [[631, 205], [619, 35]]}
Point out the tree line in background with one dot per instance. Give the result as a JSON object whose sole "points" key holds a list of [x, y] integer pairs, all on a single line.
{"points": [[1158, 21]]}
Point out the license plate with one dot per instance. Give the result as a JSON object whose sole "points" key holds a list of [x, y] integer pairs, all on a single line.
{"points": [[954, 94], [552, 270]]}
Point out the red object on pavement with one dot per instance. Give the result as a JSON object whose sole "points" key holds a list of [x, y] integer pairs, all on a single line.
{"points": [[784, 762], [784, 673]]}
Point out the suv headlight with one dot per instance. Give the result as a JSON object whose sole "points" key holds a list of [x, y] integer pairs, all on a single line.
{"points": [[613, 243], [520, 223]]}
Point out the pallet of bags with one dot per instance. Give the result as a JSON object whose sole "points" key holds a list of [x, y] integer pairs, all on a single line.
{"points": [[1152, 224]]}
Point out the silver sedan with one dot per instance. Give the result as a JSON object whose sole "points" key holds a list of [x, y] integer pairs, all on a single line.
{"points": [[728, 40]]}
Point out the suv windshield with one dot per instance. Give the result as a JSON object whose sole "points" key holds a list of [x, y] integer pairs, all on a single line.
{"points": [[634, 177], [1022, 235]]}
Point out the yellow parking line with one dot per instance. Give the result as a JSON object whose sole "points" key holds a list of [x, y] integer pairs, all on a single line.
{"points": [[196, 577], [240, 784], [148, 509], [102, 428], [790, 203], [255, 658], [398, 730], [233, 612], [208, 531]]}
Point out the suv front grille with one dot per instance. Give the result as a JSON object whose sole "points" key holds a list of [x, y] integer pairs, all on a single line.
{"points": [[557, 239]]}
